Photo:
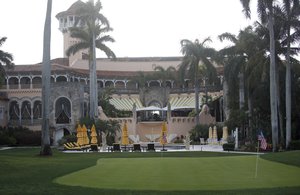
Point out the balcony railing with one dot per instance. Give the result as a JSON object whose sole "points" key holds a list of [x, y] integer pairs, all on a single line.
{"points": [[27, 122]]}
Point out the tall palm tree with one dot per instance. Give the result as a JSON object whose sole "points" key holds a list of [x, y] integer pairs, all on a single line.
{"points": [[6, 59], [240, 60], [194, 53], [46, 71], [91, 36], [291, 12], [265, 9]]}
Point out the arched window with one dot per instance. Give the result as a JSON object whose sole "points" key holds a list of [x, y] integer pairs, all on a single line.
{"points": [[100, 84], [37, 82], [61, 79], [13, 83], [37, 109], [25, 82], [154, 83], [26, 110], [63, 110], [109, 84], [14, 111], [120, 84], [169, 84]]}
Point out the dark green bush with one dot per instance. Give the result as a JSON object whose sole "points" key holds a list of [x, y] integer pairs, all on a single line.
{"points": [[7, 140], [228, 147], [295, 145], [28, 138], [19, 136]]}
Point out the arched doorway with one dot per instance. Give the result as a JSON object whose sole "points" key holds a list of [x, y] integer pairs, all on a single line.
{"points": [[63, 110]]}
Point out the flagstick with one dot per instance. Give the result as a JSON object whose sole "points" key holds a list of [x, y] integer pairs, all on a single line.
{"points": [[256, 166]]}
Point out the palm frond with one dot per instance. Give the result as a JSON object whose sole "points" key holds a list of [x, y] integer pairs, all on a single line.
{"points": [[227, 36], [77, 47], [109, 53], [106, 38], [246, 6], [2, 40]]}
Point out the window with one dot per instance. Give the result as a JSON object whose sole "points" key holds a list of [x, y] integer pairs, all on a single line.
{"points": [[63, 111]]}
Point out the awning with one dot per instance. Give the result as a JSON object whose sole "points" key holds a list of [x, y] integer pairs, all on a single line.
{"points": [[150, 108], [125, 103]]}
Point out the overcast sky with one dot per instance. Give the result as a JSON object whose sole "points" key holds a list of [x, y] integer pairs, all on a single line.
{"points": [[142, 28]]}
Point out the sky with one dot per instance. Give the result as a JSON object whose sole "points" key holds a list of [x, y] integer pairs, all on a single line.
{"points": [[142, 28]]}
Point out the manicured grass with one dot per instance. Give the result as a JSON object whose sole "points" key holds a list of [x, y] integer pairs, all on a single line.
{"points": [[22, 171], [207, 173], [289, 158]]}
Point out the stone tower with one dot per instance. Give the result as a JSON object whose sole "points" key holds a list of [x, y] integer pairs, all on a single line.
{"points": [[68, 19]]}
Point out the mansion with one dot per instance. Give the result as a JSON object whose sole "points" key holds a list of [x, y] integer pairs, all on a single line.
{"points": [[20, 103]]}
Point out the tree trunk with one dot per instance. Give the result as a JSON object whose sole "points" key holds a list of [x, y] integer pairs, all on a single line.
{"points": [[196, 93], [288, 92], [46, 71], [241, 90], [92, 107], [197, 103], [273, 89], [95, 116], [280, 117], [225, 100], [250, 110]]}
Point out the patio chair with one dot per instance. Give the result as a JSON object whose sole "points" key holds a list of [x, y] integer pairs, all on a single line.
{"points": [[150, 147], [136, 148], [116, 148], [67, 147]]}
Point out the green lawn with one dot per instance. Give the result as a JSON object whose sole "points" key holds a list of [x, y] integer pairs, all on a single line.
{"points": [[22, 171], [207, 173]]}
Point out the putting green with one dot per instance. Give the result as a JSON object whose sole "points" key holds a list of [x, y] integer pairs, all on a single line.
{"points": [[211, 173]]}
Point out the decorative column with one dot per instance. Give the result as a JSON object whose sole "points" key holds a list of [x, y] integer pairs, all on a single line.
{"points": [[20, 113], [31, 112], [30, 82], [19, 82]]}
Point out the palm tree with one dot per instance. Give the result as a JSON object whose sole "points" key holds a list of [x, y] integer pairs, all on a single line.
{"points": [[46, 71], [291, 12], [6, 59], [110, 128], [238, 63], [92, 36], [241, 59], [163, 75], [194, 53], [265, 9]]}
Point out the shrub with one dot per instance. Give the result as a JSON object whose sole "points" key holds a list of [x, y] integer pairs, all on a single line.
{"points": [[295, 145], [228, 147], [28, 138], [19, 136], [7, 140], [249, 147]]}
